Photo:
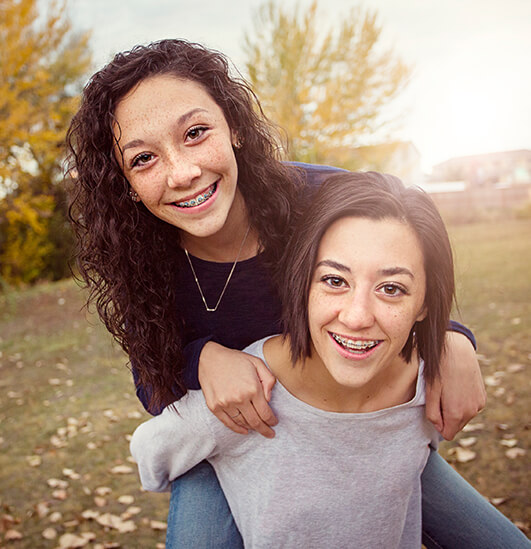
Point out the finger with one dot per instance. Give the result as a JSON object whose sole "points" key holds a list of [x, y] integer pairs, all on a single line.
{"points": [[450, 428], [254, 421], [231, 424], [267, 379], [264, 411], [433, 404]]}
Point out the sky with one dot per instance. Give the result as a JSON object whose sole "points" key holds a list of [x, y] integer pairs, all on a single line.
{"points": [[470, 91]]}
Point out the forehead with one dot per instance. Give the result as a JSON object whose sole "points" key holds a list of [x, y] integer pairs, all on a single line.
{"points": [[163, 96], [360, 241]]}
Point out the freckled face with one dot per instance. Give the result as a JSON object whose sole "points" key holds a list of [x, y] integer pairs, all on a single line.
{"points": [[366, 294], [178, 154]]}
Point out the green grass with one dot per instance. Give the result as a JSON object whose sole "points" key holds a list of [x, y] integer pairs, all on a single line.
{"points": [[67, 397]]}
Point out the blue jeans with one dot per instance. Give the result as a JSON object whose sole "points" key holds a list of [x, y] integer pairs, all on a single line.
{"points": [[454, 515]]}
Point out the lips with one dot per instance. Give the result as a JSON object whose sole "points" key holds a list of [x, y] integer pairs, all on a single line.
{"points": [[356, 346], [198, 199]]}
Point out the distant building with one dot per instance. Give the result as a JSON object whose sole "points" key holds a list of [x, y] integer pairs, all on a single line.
{"points": [[501, 169], [398, 158]]}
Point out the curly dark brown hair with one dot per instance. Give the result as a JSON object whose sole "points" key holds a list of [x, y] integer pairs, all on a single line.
{"points": [[120, 243]]}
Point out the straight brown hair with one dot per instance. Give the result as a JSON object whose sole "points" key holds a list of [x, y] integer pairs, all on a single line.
{"points": [[375, 196]]}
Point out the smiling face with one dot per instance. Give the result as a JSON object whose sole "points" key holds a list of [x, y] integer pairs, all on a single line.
{"points": [[366, 294], [178, 155]]}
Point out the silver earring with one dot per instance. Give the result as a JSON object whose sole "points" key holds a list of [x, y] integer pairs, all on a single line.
{"points": [[238, 144], [134, 196]]}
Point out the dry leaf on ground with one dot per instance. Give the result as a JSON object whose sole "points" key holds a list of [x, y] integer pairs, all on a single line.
{"points": [[513, 453], [462, 455], [121, 470], [12, 535], [467, 442], [49, 533], [71, 541]]}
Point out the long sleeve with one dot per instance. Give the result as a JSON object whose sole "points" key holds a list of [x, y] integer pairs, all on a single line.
{"points": [[173, 442]]}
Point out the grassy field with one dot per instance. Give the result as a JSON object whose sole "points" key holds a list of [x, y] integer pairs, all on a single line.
{"points": [[67, 406]]}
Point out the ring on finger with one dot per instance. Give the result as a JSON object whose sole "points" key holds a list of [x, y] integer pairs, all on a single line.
{"points": [[232, 417]]}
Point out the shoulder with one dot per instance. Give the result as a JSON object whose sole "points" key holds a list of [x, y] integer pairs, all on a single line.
{"points": [[315, 174]]}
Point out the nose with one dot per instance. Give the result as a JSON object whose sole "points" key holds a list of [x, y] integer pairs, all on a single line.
{"points": [[182, 170], [357, 312]]}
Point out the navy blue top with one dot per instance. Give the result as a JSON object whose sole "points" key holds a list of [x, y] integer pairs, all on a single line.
{"points": [[250, 308]]}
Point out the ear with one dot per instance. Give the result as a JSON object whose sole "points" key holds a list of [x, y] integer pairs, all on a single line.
{"points": [[422, 314], [237, 142]]}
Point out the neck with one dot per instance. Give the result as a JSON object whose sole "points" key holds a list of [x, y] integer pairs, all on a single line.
{"points": [[223, 246], [310, 381]]}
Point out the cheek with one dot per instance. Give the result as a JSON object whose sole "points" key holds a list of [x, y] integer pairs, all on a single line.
{"points": [[399, 323]]}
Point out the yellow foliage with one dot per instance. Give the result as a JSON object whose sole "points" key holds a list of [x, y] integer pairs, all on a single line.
{"points": [[326, 88], [40, 57], [42, 62], [26, 243]]}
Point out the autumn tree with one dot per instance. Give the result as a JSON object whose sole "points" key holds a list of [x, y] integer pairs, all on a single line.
{"points": [[42, 61], [327, 88]]}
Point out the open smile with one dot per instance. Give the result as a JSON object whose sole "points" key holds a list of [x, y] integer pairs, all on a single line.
{"points": [[355, 346], [199, 198]]}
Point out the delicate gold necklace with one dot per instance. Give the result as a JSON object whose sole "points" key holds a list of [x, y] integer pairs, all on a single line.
{"points": [[209, 309]]}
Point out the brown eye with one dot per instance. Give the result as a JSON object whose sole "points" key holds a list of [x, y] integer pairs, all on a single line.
{"points": [[196, 132], [141, 159], [333, 281]]}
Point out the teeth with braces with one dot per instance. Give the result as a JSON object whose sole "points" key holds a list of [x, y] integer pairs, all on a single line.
{"points": [[355, 345], [198, 200]]}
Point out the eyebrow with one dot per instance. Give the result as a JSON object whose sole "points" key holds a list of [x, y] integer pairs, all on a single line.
{"points": [[182, 119], [334, 265], [389, 271]]}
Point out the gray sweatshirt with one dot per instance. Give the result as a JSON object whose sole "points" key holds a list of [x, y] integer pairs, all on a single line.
{"points": [[327, 479]]}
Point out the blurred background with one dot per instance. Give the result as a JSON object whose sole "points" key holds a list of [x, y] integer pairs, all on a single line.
{"points": [[436, 93]]}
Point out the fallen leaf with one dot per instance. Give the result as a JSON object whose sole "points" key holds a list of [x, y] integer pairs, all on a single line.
{"points": [[111, 416], [130, 512], [90, 536], [100, 501], [115, 522], [158, 525], [54, 381], [70, 473], [467, 442], [90, 514], [34, 461], [121, 470], [56, 516], [12, 535], [502, 426], [497, 501], [492, 381], [42, 508], [462, 455], [57, 483], [510, 443], [472, 427], [126, 500], [71, 523], [134, 415], [71, 541], [60, 494], [49, 533], [514, 368], [513, 453], [102, 490]]}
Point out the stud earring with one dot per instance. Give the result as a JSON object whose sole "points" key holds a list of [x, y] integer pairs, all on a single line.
{"points": [[134, 196], [238, 144]]}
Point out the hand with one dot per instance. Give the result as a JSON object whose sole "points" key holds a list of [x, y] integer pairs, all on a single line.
{"points": [[237, 389], [458, 395]]}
